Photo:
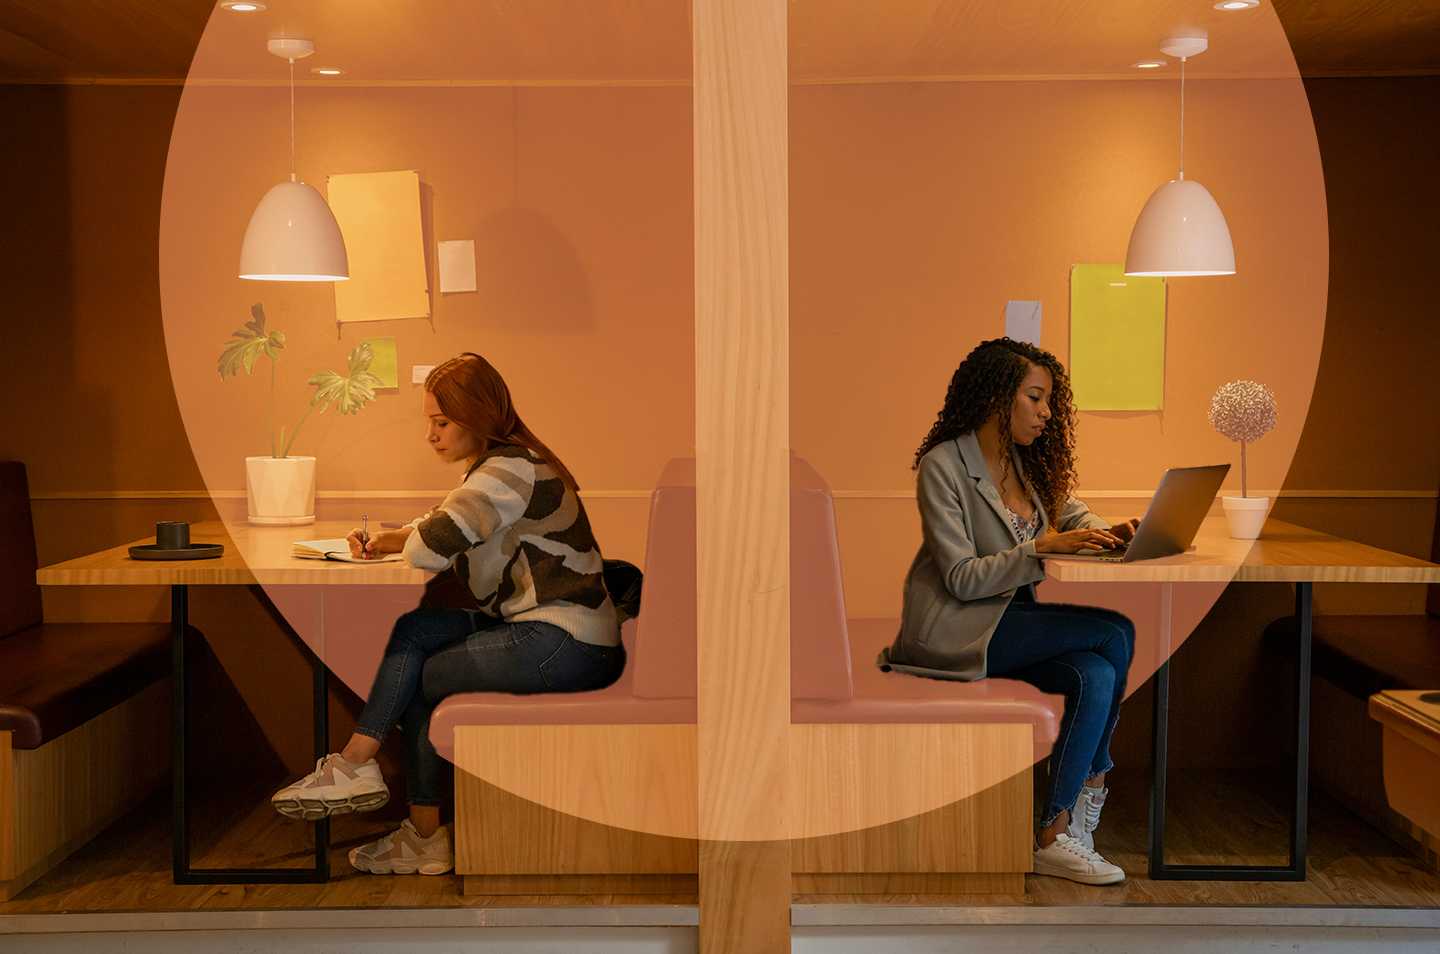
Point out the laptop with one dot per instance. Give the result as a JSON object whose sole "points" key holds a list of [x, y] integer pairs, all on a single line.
{"points": [[1170, 522]]}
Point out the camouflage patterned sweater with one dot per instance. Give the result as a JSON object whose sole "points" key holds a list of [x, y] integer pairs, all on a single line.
{"points": [[520, 537]]}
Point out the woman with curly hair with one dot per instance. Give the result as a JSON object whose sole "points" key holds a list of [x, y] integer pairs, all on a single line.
{"points": [[994, 480]]}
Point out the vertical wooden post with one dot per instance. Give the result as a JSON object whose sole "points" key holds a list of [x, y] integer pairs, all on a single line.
{"points": [[742, 359]]}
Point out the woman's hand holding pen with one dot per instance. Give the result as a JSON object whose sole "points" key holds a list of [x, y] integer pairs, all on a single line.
{"points": [[378, 544]]}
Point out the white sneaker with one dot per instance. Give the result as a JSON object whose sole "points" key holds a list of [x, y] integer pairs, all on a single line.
{"points": [[403, 851], [1085, 816], [1065, 857], [335, 788]]}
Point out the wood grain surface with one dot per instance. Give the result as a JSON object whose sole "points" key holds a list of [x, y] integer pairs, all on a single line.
{"points": [[253, 554], [1284, 553], [742, 452]]}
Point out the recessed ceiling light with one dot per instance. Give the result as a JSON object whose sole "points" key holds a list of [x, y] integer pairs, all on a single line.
{"points": [[242, 6], [1237, 4], [1149, 64], [328, 71]]}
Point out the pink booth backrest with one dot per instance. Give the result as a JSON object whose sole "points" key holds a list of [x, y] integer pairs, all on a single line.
{"points": [[664, 657]]}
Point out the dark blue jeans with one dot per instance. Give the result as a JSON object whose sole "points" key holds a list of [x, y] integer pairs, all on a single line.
{"points": [[1083, 653], [434, 653]]}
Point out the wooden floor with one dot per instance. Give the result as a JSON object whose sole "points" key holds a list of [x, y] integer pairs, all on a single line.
{"points": [[1212, 819]]}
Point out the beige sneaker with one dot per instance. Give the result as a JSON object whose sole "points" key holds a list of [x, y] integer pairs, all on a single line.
{"points": [[403, 851], [1066, 857], [335, 788]]}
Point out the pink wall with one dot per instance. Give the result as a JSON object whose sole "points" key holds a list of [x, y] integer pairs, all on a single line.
{"points": [[919, 209], [579, 204]]}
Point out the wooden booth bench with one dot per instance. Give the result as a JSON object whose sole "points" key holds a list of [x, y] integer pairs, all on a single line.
{"points": [[84, 712], [596, 791]]}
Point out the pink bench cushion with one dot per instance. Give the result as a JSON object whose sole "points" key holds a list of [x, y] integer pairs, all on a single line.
{"points": [[616, 704], [900, 698], [880, 697], [833, 673], [665, 663]]}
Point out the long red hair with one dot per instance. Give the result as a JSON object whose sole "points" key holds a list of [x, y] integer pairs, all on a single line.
{"points": [[472, 393]]}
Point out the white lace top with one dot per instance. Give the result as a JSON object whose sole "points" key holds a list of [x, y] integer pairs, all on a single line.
{"points": [[1024, 529]]}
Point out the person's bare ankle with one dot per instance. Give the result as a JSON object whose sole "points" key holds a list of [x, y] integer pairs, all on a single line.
{"points": [[1047, 835], [425, 820], [359, 749]]}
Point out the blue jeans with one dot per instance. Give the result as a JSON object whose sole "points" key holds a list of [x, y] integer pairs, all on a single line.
{"points": [[1082, 652], [434, 653]]}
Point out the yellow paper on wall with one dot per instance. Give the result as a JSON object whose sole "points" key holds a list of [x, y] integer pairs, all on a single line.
{"points": [[385, 366], [1117, 339], [379, 216]]}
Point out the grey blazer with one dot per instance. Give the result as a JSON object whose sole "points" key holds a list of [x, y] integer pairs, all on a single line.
{"points": [[969, 565]]}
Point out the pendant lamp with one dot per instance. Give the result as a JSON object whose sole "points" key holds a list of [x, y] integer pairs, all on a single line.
{"points": [[293, 235], [1181, 231]]}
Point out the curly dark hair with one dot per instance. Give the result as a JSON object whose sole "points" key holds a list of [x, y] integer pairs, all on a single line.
{"points": [[984, 385]]}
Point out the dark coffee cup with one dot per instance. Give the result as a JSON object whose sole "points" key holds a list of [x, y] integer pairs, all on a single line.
{"points": [[172, 534]]}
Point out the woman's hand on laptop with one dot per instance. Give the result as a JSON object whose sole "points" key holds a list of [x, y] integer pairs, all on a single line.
{"points": [[1126, 531], [1085, 540]]}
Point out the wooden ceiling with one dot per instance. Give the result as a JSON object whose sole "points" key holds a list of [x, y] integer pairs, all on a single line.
{"points": [[647, 41]]}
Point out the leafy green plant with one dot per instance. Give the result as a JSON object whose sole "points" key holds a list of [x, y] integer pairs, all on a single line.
{"points": [[349, 392]]}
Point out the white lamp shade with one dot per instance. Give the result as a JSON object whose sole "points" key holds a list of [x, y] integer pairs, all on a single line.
{"points": [[1181, 231], [293, 237]]}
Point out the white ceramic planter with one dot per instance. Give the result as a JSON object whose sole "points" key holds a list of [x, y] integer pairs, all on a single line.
{"points": [[280, 491], [1246, 515]]}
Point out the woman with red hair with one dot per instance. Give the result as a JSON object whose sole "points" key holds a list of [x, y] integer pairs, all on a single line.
{"points": [[516, 532]]}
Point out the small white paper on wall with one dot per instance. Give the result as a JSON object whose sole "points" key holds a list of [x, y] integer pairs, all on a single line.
{"points": [[1022, 321], [457, 266]]}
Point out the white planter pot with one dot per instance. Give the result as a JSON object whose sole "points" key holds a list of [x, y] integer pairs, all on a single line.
{"points": [[1246, 515], [280, 490]]}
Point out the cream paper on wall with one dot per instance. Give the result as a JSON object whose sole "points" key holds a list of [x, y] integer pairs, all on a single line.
{"points": [[1117, 339], [379, 216]]}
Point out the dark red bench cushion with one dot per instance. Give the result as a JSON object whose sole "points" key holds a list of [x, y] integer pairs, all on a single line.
{"points": [[56, 676], [1365, 654]]}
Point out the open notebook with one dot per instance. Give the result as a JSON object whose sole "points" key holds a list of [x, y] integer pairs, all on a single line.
{"points": [[337, 549]]}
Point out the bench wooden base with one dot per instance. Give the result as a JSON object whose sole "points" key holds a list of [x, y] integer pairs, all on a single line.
{"points": [[910, 882], [56, 798], [588, 884], [509, 845], [851, 885], [1412, 760]]}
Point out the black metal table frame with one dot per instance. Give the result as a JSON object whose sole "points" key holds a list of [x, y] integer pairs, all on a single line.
{"points": [[1295, 870], [179, 732]]}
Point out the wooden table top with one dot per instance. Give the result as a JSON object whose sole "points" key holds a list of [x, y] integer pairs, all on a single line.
{"points": [[1284, 553], [253, 554]]}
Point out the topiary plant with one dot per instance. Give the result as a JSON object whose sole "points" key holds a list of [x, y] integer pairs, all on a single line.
{"points": [[1243, 411], [349, 392]]}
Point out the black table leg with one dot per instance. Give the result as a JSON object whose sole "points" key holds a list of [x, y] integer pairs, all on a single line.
{"points": [[180, 803], [1295, 870]]}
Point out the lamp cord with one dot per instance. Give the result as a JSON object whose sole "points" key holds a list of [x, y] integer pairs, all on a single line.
{"points": [[1182, 118], [292, 120]]}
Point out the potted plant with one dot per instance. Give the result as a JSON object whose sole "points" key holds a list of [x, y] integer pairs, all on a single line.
{"points": [[1244, 411], [280, 487]]}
